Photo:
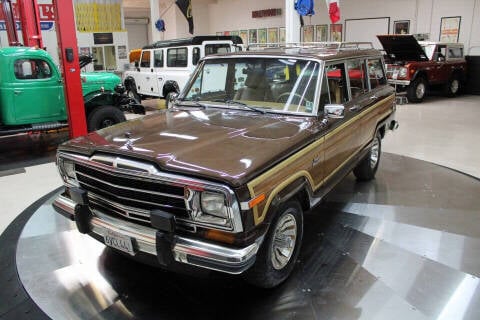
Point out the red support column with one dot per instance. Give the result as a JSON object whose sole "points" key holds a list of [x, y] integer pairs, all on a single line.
{"points": [[30, 19], [10, 24], [68, 52]]}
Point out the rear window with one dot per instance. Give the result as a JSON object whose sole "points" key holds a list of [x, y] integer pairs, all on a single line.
{"points": [[376, 74]]}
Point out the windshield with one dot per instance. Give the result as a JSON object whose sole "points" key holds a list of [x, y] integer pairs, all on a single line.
{"points": [[266, 84], [429, 50]]}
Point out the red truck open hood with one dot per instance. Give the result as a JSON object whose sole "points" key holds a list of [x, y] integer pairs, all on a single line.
{"points": [[402, 47]]}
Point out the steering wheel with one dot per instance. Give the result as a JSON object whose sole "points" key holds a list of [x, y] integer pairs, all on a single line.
{"points": [[283, 98]]}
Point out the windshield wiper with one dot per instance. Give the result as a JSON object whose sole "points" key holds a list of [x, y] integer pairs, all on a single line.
{"points": [[239, 103]]}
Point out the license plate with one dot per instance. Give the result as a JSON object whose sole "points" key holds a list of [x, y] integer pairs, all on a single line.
{"points": [[119, 241]]}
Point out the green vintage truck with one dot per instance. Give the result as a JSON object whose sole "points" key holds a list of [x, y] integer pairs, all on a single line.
{"points": [[32, 96]]}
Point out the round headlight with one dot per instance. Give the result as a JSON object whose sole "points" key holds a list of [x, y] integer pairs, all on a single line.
{"points": [[402, 73], [214, 203]]}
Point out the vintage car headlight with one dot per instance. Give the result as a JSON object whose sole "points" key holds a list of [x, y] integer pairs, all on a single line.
{"points": [[67, 170], [214, 209], [214, 203], [402, 72]]}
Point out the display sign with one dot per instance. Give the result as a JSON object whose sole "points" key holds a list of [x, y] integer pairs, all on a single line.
{"points": [[103, 38], [267, 13]]}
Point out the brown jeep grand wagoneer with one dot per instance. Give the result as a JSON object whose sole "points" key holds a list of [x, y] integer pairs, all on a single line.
{"points": [[221, 179]]}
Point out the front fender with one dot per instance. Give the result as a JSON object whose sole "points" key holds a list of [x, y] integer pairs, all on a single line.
{"points": [[98, 98]]}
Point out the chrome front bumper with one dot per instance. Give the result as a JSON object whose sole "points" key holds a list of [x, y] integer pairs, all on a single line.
{"points": [[399, 82], [185, 250]]}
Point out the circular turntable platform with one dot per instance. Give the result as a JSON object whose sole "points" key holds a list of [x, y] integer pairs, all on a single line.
{"points": [[404, 246]]}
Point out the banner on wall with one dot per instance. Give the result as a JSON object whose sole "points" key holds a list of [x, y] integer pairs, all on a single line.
{"points": [[186, 7], [47, 17]]}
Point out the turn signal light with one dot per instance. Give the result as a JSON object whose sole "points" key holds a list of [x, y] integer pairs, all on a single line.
{"points": [[220, 236], [252, 203]]}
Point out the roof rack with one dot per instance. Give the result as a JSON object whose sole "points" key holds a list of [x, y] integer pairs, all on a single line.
{"points": [[337, 46]]}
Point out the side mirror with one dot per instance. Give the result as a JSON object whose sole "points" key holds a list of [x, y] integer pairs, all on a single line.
{"points": [[171, 99], [334, 111]]}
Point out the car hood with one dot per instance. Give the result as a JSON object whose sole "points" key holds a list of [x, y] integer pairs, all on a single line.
{"points": [[100, 77], [218, 144], [402, 47]]}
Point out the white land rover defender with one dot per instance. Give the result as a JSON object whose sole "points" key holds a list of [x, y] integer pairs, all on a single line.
{"points": [[165, 66]]}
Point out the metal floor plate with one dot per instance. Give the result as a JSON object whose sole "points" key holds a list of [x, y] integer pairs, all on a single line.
{"points": [[404, 246]]}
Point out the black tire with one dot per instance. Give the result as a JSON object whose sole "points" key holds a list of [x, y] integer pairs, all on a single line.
{"points": [[268, 272], [132, 92], [102, 117], [453, 86], [417, 90], [367, 167]]}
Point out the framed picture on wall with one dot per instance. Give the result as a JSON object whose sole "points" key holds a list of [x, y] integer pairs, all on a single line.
{"points": [[122, 52], [84, 51], [262, 35], [219, 33], [244, 35], [449, 29], [308, 33], [336, 32], [272, 36], [281, 34], [234, 33], [321, 32], [252, 36], [401, 27], [226, 33]]}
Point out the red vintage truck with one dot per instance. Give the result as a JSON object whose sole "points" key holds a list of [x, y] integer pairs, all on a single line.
{"points": [[416, 66]]}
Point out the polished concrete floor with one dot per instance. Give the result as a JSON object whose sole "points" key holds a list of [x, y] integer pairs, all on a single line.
{"points": [[404, 246], [442, 131]]}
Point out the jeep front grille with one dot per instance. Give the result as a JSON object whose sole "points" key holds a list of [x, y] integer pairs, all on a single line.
{"points": [[129, 196]]}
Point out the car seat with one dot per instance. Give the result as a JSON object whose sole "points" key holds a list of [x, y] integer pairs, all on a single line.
{"points": [[256, 88]]}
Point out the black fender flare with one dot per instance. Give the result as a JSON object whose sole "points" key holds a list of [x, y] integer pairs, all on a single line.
{"points": [[97, 99], [129, 81], [170, 86]]}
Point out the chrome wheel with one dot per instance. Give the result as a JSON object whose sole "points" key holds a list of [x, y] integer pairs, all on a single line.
{"points": [[284, 239], [420, 90], [454, 86], [374, 153]]}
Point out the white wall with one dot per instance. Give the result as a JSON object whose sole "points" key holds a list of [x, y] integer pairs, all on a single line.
{"points": [[211, 16]]}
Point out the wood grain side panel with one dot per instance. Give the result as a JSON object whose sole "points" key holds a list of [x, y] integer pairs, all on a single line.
{"points": [[319, 161]]}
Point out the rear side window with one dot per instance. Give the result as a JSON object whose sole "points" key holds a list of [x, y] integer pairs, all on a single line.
{"points": [[158, 58], [177, 57], [195, 55], [32, 69], [455, 53], [376, 74], [145, 61], [337, 83], [356, 75]]}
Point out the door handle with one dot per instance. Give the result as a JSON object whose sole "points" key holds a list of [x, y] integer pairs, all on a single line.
{"points": [[148, 78], [17, 92]]}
